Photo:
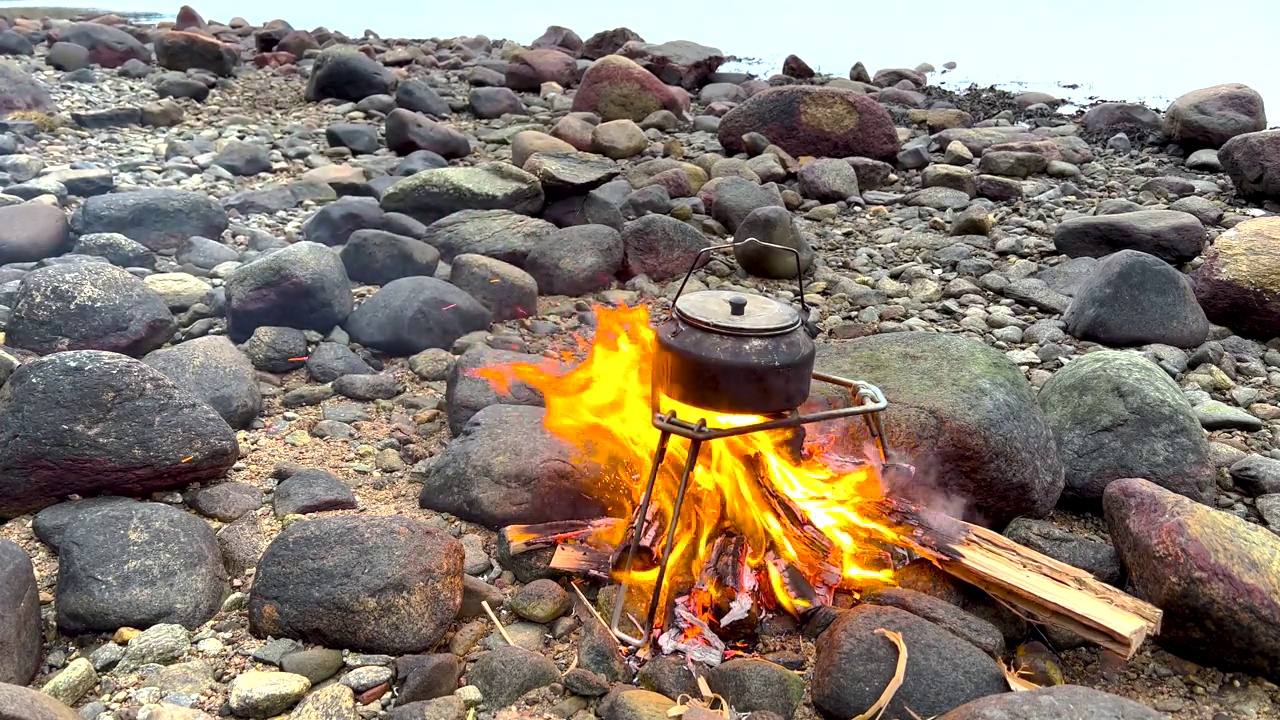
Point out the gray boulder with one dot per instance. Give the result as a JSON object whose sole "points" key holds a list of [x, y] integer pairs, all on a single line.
{"points": [[32, 231], [499, 234], [432, 194], [1252, 161], [343, 73], [1094, 557], [576, 260], [466, 392], [776, 226], [1132, 298], [1116, 415], [410, 132], [161, 219], [214, 370], [1175, 237], [377, 257], [1058, 702], [303, 286], [963, 414], [508, 292], [1209, 117], [412, 314], [661, 247], [123, 563], [21, 630]]}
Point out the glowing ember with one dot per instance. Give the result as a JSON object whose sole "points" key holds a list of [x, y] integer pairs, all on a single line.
{"points": [[793, 514]]}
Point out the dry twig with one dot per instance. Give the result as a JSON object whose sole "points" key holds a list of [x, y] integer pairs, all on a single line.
{"points": [[485, 604]]}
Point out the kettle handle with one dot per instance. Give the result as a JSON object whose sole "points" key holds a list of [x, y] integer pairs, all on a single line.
{"points": [[804, 309]]}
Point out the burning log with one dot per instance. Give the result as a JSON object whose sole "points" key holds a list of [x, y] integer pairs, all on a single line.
{"points": [[1046, 590]]}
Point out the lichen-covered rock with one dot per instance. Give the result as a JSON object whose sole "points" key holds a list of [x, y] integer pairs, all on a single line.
{"points": [[1239, 283], [815, 121], [616, 88], [432, 194], [1216, 577]]}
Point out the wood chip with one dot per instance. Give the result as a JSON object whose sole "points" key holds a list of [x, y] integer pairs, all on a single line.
{"points": [[899, 673]]}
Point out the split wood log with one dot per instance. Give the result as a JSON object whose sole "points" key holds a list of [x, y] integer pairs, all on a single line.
{"points": [[1046, 590]]}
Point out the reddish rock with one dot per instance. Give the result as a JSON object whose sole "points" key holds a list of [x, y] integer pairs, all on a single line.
{"points": [[1046, 149], [608, 42], [1252, 161], [892, 76], [573, 130], [108, 46], [558, 38], [675, 181], [297, 42], [1209, 117], [1222, 603], [794, 67], [270, 35], [813, 121], [1112, 117], [189, 19], [616, 88], [527, 71], [373, 693], [182, 51], [680, 62], [109, 19], [274, 59], [1239, 283]]}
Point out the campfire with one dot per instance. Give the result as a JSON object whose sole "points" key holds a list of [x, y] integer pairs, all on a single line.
{"points": [[726, 510]]}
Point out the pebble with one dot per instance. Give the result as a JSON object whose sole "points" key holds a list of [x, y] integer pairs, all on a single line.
{"points": [[257, 694]]}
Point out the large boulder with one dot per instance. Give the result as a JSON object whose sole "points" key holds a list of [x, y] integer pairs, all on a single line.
{"points": [[1116, 414], [1175, 237], [854, 664], [963, 414], [123, 563], [21, 630], [161, 219], [1057, 702], [303, 286], [607, 42], [499, 234], [1213, 574], [432, 194], [382, 585], [1114, 117], [183, 51], [576, 260], [1211, 116], [19, 90], [616, 88], [505, 468], [412, 314], [344, 73], [775, 226], [87, 422], [1252, 161], [813, 120], [679, 62], [527, 71], [377, 257], [1239, 283], [108, 46], [88, 306], [1132, 298], [32, 231], [19, 703], [661, 247], [467, 392], [408, 132], [214, 370]]}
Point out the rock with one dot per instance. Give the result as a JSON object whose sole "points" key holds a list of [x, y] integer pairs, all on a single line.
{"points": [[1257, 475], [585, 683], [499, 234], [528, 70], [108, 46], [243, 158], [302, 286], [161, 219], [680, 62], [415, 95], [735, 198], [1204, 160], [558, 38], [412, 314], [67, 57], [636, 705], [776, 226], [19, 90], [179, 291], [332, 702], [503, 675], [618, 139], [426, 677], [813, 120], [72, 683], [1209, 117], [1011, 164], [330, 361], [405, 596], [83, 422], [607, 42], [506, 468], [183, 51], [88, 306], [367, 387], [853, 665], [1250, 160], [361, 139], [432, 194], [32, 231], [316, 665], [445, 708], [541, 601], [576, 260], [129, 564], [1174, 237], [828, 180], [409, 132], [311, 491], [366, 678], [1096, 558], [974, 630], [117, 250], [226, 501], [345, 74], [467, 391], [1060, 702], [33, 705], [493, 102], [508, 292], [1133, 298], [1116, 415], [617, 88], [333, 224], [660, 247], [1112, 117], [255, 694], [21, 630], [1219, 604], [1215, 415], [377, 257], [215, 371], [276, 349], [157, 645], [964, 415], [752, 685], [242, 543], [525, 144], [1237, 285]]}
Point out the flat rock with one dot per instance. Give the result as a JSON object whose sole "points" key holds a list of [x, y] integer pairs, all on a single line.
{"points": [[1216, 415], [214, 370], [406, 595], [433, 194], [86, 422], [1133, 298], [129, 564], [160, 219], [500, 234], [1172, 236], [1096, 558], [225, 501], [1221, 604], [310, 491], [412, 314], [1060, 702]]}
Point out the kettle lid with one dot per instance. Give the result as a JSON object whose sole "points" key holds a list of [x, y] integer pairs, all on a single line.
{"points": [[737, 313]]}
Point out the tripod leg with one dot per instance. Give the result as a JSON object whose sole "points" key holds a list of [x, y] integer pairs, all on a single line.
{"points": [[637, 530]]}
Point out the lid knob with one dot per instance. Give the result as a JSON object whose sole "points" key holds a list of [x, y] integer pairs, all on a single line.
{"points": [[737, 305]]}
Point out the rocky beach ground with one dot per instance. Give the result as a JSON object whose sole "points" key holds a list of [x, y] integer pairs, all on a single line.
{"points": [[246, 274]]}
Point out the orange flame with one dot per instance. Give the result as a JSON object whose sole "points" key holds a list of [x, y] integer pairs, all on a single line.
{"points": [[603, 407]]}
